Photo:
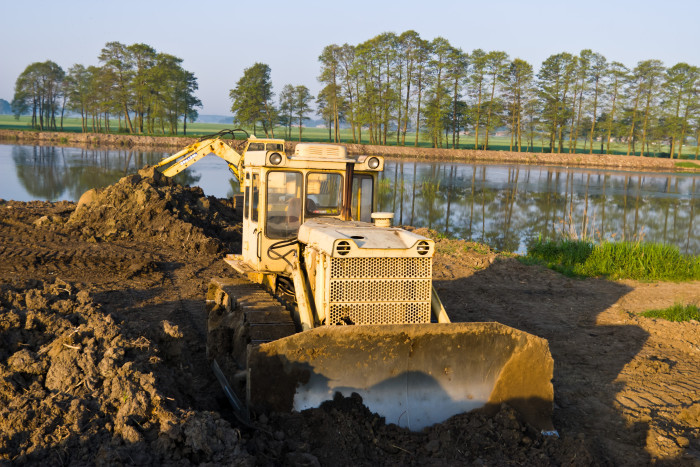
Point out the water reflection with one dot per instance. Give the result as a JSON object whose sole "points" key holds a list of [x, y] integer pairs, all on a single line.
{"points": [[509, 206], [504, 206], [55, 173]]}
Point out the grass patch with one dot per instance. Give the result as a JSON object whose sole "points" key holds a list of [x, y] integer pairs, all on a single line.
{"points": [[677, 312], [615, 260], [687, 165]]}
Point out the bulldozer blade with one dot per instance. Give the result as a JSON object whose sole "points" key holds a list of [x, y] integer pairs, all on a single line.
{"points": [[414, 375]]}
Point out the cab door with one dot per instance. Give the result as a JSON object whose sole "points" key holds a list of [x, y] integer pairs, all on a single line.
{"points": [[252, 235]]}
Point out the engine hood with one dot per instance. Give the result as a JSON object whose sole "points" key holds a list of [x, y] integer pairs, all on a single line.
{"points": [[363, 238]]}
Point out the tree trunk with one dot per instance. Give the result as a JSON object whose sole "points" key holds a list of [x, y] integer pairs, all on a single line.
{"points": [[630, 140], [611, 118], [478, 117], [488, 117], [420, 93], [595, 111], [128, 119]]}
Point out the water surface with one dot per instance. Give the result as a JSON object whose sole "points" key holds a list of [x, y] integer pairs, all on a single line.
{"points": [[506, 206]]}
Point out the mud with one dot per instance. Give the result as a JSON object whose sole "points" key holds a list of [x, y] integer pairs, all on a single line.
{"points": [[102, 351]]}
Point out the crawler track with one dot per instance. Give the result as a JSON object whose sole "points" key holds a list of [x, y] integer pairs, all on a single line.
{"points": [[242, 313]]}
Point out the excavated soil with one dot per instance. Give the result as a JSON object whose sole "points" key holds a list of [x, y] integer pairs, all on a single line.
{"points": [[102, 351]]}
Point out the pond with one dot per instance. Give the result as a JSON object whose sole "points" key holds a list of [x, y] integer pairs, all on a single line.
{"points": [[505, 206]]}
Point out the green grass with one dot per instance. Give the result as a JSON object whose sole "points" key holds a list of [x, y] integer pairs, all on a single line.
{"points": [[615, 260], [496, 143], [677, 313], [687, 165]]}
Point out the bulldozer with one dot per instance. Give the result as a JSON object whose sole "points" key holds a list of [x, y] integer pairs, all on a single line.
{"points": [[327, 297]]}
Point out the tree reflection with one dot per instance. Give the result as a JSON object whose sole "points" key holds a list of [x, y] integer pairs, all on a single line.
{"points": [[509, 207], [53, 173]]}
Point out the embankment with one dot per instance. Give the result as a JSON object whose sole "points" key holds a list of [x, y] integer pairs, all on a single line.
{"points": [[462, 155]]}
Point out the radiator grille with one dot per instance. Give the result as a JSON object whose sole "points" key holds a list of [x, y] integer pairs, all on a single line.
{"points": [[364, 268], [380, 290], [380, 313]]}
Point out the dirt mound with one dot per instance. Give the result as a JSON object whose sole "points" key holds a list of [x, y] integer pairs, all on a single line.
{"points": [[345, 432], [150, 205], [76, 387]]}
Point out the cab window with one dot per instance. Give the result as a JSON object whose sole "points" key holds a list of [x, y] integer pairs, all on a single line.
{"points": [[255, 198], [246, 198], [274, 147], [256, 147], [284, 204], [324, 194]]}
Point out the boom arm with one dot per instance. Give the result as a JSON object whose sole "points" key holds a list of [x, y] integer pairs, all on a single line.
{"points": [[195, 151]]}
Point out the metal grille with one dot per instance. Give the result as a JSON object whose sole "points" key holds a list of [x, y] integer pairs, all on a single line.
{"points": [[388, 290], [363, 268], [379, 313], [380, 290]]}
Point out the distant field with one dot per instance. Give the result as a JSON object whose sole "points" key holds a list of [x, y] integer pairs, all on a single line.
{"points": [[496, 143]]}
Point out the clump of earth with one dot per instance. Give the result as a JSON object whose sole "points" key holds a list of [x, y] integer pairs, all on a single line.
{"points": [[150, 205], [78, 387], [103, 355]]}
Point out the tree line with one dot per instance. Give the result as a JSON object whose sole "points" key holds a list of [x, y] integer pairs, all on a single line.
{"points": [[396, 89], [392, 83], [145, 90]]}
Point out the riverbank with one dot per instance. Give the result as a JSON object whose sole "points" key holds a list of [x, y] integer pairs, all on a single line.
{"points": [[403, 152]]}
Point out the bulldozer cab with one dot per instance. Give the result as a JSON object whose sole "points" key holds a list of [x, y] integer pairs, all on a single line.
{"points": [[282, 191]]}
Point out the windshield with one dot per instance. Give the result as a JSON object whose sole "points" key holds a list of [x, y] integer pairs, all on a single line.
{"points": [[323, 194]]}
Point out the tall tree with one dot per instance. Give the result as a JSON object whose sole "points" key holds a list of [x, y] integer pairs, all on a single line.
{"points": [[252, 98], [144, 58], [650, 72], [286, 109], [330, 71], [552, 87], [618, 74], [302, 105], [410, 44], [77, 88], [438, 99], [496, 67], [349, 79], [457, 68], [423, 49], [518, 91], [118, 61], [598, 72], [477, 82]]}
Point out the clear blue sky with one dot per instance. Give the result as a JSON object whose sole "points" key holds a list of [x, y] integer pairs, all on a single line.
{"points": [[218, 40]]}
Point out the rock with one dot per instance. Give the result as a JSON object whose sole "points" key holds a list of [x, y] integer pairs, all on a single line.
{"points": [[43, 220], [87, 198]]}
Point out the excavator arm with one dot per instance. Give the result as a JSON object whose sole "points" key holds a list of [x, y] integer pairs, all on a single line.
{"points": [[180, 161]]}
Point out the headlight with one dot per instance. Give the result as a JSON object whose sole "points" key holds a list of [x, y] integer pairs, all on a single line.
{"points": [[275, 158], [373, 163]]}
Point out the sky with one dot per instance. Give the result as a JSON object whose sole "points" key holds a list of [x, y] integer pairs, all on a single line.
{"points": [[218, 40]]}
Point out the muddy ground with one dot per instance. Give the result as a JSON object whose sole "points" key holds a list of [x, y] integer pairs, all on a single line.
{"points": [[102, 351]]}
